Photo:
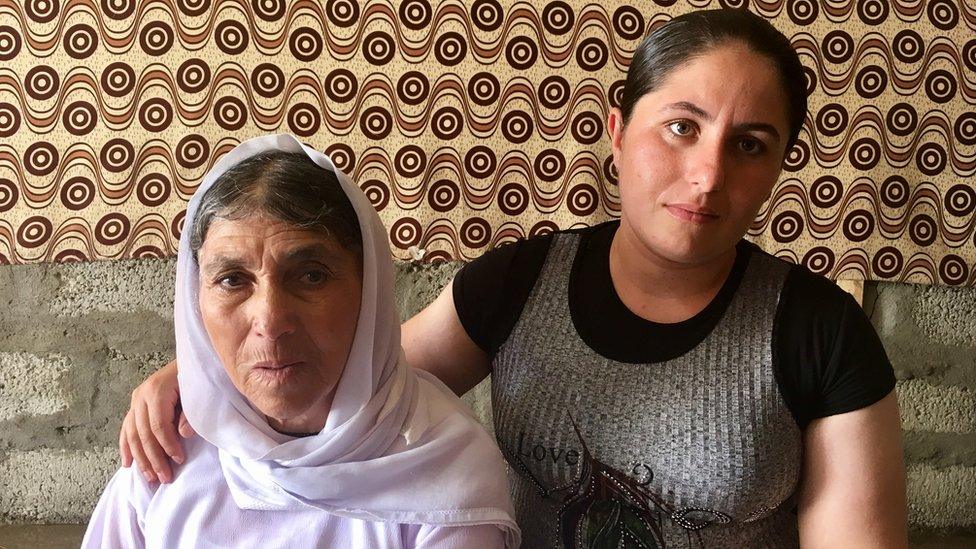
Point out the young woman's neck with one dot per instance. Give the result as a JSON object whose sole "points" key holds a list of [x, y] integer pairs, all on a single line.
{"points": [[658, 289]]}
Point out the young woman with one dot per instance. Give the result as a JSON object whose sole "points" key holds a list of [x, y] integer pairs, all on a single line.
{"points": [[658, 381]]}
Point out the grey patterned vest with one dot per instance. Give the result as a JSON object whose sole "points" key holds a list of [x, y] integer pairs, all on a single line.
{"points": [[698, 451]]}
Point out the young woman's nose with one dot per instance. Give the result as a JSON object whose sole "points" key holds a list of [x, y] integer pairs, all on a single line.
{"points": [[708, 168], [271, 316]]}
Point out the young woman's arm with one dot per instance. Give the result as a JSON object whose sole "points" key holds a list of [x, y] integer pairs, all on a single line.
{"points": [[434, 340], [852, 492]]}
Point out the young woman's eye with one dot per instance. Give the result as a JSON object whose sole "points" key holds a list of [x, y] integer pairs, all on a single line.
{"points": [[681, 128], [750, 145]]}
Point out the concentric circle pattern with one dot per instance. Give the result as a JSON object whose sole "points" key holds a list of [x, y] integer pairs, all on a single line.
{"points": [[469, 124]]}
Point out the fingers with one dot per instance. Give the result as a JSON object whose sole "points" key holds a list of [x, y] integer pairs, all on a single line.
{"points": [[135, 447], [124, 451], [160, 416], [157, 459], [185, 430]]}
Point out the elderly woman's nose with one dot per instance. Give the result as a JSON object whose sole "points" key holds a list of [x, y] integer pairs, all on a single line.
{"points": [[271, 315]]}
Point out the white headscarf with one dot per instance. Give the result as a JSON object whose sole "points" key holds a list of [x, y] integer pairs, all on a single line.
{"points": [[449, 471]]}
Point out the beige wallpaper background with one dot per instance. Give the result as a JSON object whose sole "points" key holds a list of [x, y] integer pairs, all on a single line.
{"points": [[469, 124]]}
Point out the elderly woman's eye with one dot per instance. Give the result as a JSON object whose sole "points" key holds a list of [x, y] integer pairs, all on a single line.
{"points": [[681, 127], [230, 282], [314, 276]]}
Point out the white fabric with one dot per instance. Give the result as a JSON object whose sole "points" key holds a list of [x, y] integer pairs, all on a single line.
{"points": [[397, 446], [198, 511]]}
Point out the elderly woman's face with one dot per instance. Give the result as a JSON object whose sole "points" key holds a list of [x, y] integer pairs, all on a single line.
{"points": [[280, 305]]}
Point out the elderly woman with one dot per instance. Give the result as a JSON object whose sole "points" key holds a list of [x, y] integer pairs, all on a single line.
{"points": [[314, 431]]}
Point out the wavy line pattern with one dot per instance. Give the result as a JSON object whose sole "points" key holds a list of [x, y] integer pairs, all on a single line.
{"points": [[469, 123]]}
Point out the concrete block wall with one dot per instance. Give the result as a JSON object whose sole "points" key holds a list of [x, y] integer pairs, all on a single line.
{"points": [[76, 339]]}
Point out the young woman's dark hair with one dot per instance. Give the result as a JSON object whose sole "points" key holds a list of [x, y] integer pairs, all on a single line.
{"points": [[286, 186], [693, 34]]}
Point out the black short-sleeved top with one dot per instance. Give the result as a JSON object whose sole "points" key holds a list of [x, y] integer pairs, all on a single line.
{"points": [[827, 356]]}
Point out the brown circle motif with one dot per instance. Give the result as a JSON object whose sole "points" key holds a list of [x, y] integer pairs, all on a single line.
{"points": [[42, 11], [341, 85], [480, 162], [9, 194], [118, 79], [413, 87], [342, 157], [35, 231], [888, 262], [117, 155], [549, 165], [558, 18], [9, 119], [592, 54], [513, 199], [415, 14], [377, 193], [410, 161], [475, 232], [80, 41], [405, 232], [517, 126], [193, 76], [521, 52], [268, 81], [305, 44], [231, 37], [447, 123], [112, 229], [443, 195], [820, 260], [376, 122], [487, 15], [483, 89], [156, 38], [153, 189], [41, 158], [42, 82], [192, 151], [77, 193], [304, 119], [155, 114], [230, 113]]}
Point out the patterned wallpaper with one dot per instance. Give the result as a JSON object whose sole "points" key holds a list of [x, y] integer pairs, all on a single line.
{"points": [[469, 124]]}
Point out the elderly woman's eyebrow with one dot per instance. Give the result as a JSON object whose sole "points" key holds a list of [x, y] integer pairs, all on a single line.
{"points": [[223, 263], [311, 252]]}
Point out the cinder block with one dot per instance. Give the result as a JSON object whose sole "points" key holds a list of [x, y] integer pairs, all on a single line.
{"points": [[54, 485], [942, 313], [417, 284], [116, 286], [936, 408], [29, 384], [942, 498]]}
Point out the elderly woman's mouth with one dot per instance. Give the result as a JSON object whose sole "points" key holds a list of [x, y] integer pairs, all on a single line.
{"points": [[272, 371]]}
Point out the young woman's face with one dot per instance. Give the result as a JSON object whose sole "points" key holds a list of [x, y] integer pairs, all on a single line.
{"points": [[280, 305], [701, 154]]}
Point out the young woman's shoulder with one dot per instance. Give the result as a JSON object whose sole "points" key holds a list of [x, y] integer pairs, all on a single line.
{"points": [[828, 356]]}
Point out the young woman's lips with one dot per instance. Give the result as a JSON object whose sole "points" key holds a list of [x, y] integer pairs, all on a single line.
{"points": [[691, 213]]}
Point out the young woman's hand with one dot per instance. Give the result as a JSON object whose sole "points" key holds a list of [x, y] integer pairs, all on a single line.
{"points": [[149, 429]]}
